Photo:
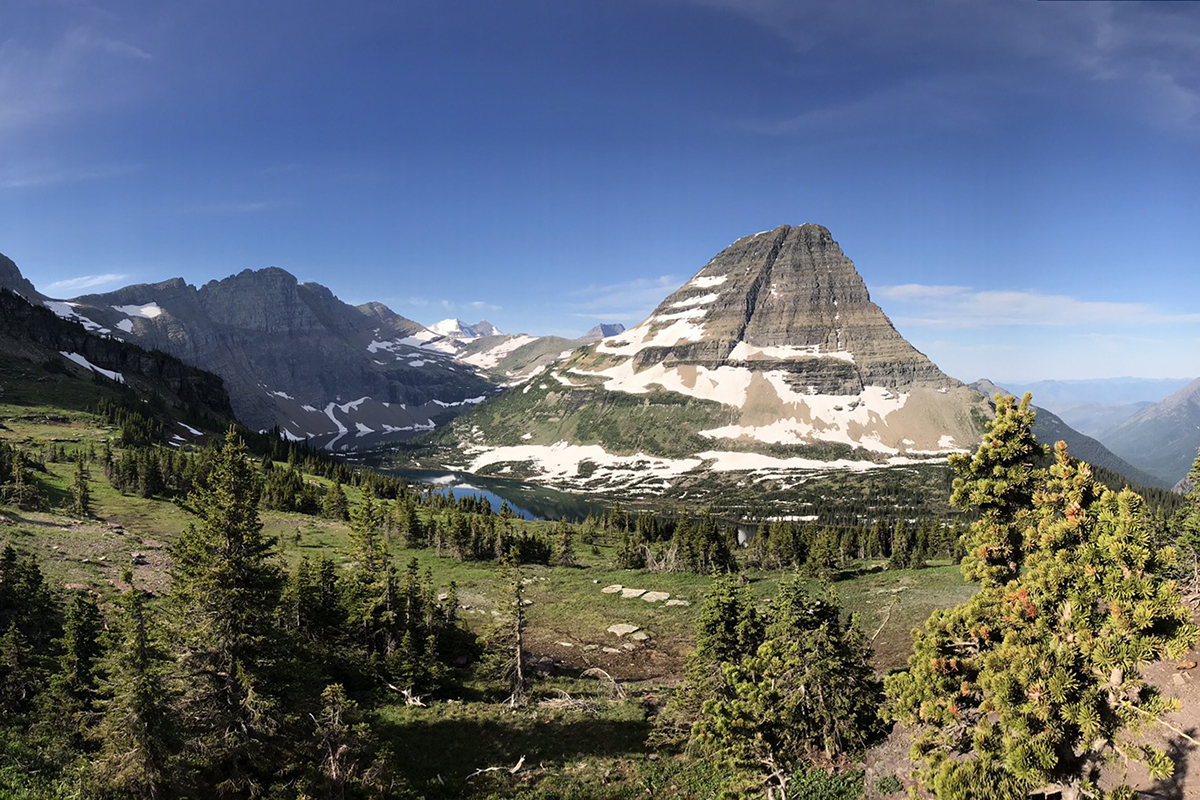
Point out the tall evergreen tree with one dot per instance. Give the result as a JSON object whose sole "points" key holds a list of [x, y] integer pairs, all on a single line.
{"points": [[999, 480], [335, 505], [69, 705], [225, 591], [728, 629], [137, 734], [1186, 527], [806, 692]]}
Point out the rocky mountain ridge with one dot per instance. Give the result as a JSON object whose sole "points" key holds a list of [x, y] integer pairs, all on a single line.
{"points": [[294, 356]]}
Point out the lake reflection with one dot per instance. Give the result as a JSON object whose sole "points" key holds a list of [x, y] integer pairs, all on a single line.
{"points": [[526, 500]]}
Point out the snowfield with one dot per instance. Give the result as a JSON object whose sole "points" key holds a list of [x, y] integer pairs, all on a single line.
{"points": [[83, 362]]}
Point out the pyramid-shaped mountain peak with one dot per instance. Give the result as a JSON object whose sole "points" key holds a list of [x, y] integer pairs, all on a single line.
{"points": [[771, 357], [789, 295]]}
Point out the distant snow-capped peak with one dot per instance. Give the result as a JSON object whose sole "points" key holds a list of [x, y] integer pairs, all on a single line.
{"points": [[457, 329]]}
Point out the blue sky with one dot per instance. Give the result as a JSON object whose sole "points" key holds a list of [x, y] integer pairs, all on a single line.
{"points": [[1018, 182]]}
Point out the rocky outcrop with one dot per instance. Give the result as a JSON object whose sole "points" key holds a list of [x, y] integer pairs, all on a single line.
{"points": [[791, 288], [12, 279]]}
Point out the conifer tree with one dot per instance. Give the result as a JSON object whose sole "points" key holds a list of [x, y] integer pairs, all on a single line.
{"points": [[807, 691], [21, 672], [564, 551], [1034, 681], [344, 749], [225, 593], [335, 505], [728, 629], [69, 705], [408, 524], [1186, 527], [137, 735], [31, 621], [824, 553], [367, 517], [999, 481], [904, 548], [81, 496], [515, 669]]}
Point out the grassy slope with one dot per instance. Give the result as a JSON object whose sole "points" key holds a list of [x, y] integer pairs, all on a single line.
{"points": [[575, 739]]}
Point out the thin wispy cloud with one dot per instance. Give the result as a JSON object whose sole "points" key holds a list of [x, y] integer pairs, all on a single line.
{"points": [[920, 305], [82, 69], [622, 302], [441, 305], [85, 282], [37, 178]]}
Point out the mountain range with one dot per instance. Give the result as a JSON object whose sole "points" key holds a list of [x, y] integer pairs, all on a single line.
{"points": [[295, 357], [1153, 425], [772, 360]]}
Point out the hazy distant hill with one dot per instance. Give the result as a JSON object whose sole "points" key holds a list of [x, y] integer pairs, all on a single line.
{"points": [[602, 331], [1099, 406], [1162, 439], [1049, 428]]}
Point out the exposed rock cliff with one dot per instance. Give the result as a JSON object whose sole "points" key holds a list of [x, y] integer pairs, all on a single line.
{"points": [[294, 355]]}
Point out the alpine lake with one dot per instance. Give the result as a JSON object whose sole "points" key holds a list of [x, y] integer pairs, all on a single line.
{"points": [[526, 500]]}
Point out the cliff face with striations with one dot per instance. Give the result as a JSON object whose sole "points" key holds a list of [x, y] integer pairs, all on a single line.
{"points": [[788, 296], [773, 348], [294, 355]]}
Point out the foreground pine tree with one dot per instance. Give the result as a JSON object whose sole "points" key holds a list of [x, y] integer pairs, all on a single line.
{"points": [[728, 629], [1033, 683], [69, 704], [806, 695], [225, 593]]}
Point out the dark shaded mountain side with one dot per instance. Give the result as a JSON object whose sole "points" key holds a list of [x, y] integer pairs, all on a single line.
{"points": [[35, 334], [12, 279]]}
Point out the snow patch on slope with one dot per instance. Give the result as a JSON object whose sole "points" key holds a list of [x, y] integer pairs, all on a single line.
{"points": [[649, 334], [749, 352], [698, 300], [707, 281], [67, 311], [83, 362], [490, 358], [148, 311]]}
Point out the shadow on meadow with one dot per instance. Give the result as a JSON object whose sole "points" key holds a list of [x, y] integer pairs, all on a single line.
{"points": [[439, 749]]}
